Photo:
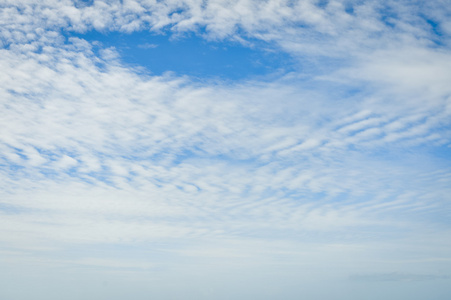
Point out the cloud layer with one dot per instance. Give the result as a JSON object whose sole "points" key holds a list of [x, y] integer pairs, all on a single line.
{"points": [[338, 167]]}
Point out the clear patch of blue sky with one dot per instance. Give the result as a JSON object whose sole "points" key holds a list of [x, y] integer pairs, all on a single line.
{"points": [[193, 55]]}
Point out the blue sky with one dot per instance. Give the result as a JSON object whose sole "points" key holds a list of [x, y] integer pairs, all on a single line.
{"points": [[192, 55], [225, 149]]}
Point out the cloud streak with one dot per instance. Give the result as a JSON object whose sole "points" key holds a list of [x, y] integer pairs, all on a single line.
{"points": [[396, 277]]}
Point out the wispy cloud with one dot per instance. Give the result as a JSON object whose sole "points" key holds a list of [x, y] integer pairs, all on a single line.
{"points": [[148, 46], [396, 277]]}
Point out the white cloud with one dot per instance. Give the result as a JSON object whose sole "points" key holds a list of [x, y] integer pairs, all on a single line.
{"points": [[329, 159]]}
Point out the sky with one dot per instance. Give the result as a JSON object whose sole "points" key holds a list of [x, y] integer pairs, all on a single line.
{"points": [[225, 149]]}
